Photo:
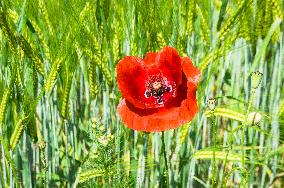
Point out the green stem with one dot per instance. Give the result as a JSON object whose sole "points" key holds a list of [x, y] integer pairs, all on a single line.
{"points": [[214, 147], [243, 134], [166, 161], [230, 140]]}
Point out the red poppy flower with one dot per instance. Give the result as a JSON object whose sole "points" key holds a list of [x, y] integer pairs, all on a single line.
{"points": [[159, 91]]}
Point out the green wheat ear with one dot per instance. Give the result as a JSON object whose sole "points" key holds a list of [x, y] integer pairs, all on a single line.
{"points": [[246, 27], [191, 13], [66, 91], [204, 26], [42, 39], [183, 132], [160, 40], [3, 105], [101, 61], [224, 112], [84, 176], [52, 75], [281, 120], [9, 159], [221, 155], [116, 48], [267, 17], [93, 80], [225, 29], [35, 80], [44, 12], [18, 130]]}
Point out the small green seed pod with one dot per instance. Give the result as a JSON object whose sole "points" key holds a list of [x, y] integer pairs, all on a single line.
{"points": [[211, 103], [254, 118], [256, 79]]}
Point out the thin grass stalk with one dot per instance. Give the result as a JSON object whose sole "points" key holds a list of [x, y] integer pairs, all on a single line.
{"points": [[166, 174], [66, 155], [229, 147], [3, 159], [243, 136], [213, 181]]}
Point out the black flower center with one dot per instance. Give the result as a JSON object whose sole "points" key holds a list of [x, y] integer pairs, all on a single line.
{"points": [[156, 89]]}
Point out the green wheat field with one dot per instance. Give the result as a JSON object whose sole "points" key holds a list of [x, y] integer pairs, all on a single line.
{"points": [[59, 124]]}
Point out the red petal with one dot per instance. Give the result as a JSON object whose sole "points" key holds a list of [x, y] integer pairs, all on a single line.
{"points": [[133, 74], [192, 74], [178, 111], [169, 62], [154, 120], [131, 79]]}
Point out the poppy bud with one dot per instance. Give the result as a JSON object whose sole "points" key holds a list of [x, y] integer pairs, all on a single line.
{"points": [[211, 103], [256, 79], [254, 118]]}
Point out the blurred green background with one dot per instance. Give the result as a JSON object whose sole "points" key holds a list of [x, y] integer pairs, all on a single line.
{"points": [[58, 93]]}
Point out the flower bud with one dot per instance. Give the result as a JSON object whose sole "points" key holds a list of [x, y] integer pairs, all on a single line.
{"points": [[211, 103], [254, 118], [256, 79]]}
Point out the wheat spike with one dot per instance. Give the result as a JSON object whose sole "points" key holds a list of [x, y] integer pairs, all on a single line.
{"points": [[204, 26], [13, 15], [221, 155], [267, 17], [224, 112], [93, 80], [7, 31], [232, 20], [52, 75], [259, 18], [3, 105], [42, 39], [191, 14], [116, 39], [276, 8], [35, 80], [17, 132], [84, 176], [87, 8], [30, 52], [184, 132], [101, 61], [44, 12], [64, 108], [245, 27]]}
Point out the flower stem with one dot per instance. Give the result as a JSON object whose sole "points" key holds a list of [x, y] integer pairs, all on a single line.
{"points": [[214, 147], [166, 174], [229, 147], [243, 134]]}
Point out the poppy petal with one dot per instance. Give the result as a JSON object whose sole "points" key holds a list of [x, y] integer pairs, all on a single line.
{"points": [[192, 74], [131, 78], [162, 67], [154, 120], [137, 77], [169, 62]]}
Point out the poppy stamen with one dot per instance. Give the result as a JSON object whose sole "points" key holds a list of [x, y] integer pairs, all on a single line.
{"points": [[157, 88]]}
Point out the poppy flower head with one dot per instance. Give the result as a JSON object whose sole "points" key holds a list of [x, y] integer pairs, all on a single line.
{"points": [[154, 87]]}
